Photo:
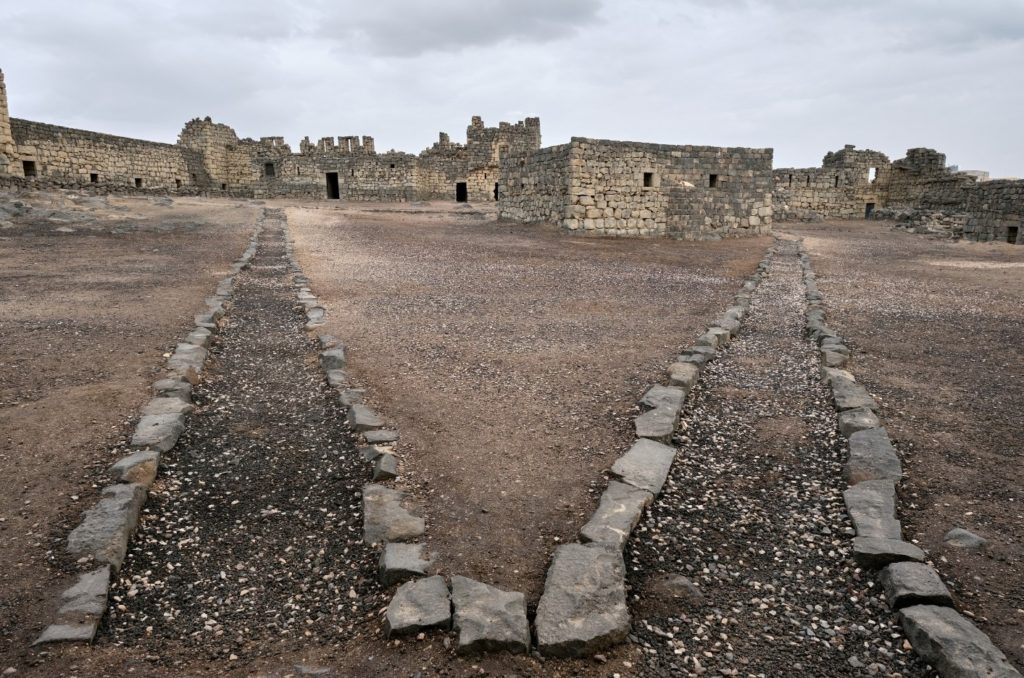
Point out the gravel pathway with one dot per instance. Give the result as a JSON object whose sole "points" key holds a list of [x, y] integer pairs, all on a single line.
{"points": [[753, 515], [251, 540]]}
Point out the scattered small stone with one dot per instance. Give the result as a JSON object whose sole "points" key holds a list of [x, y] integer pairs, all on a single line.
{"points": [[964, 539]]}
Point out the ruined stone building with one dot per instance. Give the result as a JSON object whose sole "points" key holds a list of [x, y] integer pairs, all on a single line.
{"points": [[210, 158], [599, 187], [856, 184], [586, 187]]}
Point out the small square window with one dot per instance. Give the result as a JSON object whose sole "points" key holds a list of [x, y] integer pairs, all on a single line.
{"points": [[223, 187], [29, 168], [392, 165], [648, 179], [138, 182], [712, 180], [94, 178]]}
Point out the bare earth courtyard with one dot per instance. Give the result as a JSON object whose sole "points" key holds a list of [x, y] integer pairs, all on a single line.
{"points": [[511, 359]]}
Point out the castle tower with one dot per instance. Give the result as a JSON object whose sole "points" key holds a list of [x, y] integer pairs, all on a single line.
{"points": [[7, 153]]}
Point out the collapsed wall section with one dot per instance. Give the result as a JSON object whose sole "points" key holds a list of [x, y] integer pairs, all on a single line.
{"points": [[850, 184], [7, 151]]}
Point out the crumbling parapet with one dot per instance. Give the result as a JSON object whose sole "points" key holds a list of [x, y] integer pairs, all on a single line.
{"points": [[7, 150]]}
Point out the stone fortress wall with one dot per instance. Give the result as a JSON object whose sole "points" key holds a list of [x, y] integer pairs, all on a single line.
{"points": [[919, 191], [592, 187], [617, 188]]}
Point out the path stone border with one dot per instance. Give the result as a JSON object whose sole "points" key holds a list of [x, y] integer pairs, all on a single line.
{"points": [[583, 608], [100, 541], [937, 631]]}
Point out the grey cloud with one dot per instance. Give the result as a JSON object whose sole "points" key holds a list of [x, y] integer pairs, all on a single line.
{"points": [[409, 29]]}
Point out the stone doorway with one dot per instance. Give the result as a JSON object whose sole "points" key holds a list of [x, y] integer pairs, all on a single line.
{"points": [[28, 167], [461, 192], [868, 210], [496, 192], [333, 187], [1011, 234]]}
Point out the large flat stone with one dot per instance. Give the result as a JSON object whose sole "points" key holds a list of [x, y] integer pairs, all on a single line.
{"points": [[68, 633], [167, 405], [138, 467], [187, 358], [715, 337], [489, 619], [684, 374], [86, 601], [658, 396], [645, 465], [857, 419], [401, 562], [362, 418], [106, 527], [384, 517], [658, 424], [158, 431], [954, 646], [381, 436], [200, 336], [849, 395], [907, 584], [583, 608], [385, 467], [872, 457], [618, 513], [875, 553], [872, 507], [730, 325], [419, 605], [173, 388], [333, 359]]}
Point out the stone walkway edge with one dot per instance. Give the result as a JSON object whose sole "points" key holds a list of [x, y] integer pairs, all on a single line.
{"points": [[569, 622], [100, 541], [938, 633], [583, 607]]}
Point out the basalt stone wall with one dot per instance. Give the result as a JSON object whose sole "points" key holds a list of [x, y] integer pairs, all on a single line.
{"points": [[849, 185], [7, 151], [627, 189], [535, 188], [227, 163], [996, 212], [79, 155]]}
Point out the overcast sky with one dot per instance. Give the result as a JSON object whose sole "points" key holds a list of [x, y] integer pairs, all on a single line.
{"points": [[801, 76]]}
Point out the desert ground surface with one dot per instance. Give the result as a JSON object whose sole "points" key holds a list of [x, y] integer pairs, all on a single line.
{"points": [[93, 292], [511, 359], [937, 329]]}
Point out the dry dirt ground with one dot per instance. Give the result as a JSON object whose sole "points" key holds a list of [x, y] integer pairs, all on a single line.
{"points": [[93, 292], [938, 333], [510, 358]]}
